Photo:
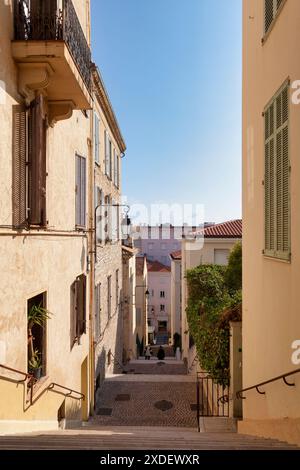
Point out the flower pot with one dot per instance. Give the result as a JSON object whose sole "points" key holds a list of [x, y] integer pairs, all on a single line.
{"points": [[37, 373]]}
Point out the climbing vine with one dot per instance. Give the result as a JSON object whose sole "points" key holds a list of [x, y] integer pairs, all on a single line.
{"points": [[212, 303]]}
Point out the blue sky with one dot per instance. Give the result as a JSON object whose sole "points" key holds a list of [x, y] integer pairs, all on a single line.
{"points": [[172, 69]]}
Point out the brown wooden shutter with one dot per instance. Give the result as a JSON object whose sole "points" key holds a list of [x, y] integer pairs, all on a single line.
{"points": [[19, 199], [81, 304], [37, 163], [73, 314]]}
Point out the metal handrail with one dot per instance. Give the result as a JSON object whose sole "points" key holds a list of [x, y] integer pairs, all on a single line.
{"points": [[274, 379], [10, 369], [32, 381], [81, 395]]}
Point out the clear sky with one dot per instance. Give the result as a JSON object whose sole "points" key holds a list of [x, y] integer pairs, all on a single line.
{"points": [[172, 69]]}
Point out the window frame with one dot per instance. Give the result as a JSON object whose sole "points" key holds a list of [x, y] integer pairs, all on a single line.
{"points": [[284, 255], [80, 192]]}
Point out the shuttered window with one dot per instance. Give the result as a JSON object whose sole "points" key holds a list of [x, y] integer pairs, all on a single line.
{"points": [[117, 290], [271, 9], [78, 309], [277, 176], [97, 330], [116, 169], [109, 297], [99, 201], [80, 191], [108, 155], [29, 164], [19, 180], [96, 139]]}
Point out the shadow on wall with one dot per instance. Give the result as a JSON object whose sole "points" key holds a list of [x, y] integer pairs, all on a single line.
{"points": [[8, 74], [118, 352], [100, 371]]}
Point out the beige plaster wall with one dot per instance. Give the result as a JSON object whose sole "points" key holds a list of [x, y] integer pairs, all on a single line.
{"points": [[271, 320], [35, 262]]}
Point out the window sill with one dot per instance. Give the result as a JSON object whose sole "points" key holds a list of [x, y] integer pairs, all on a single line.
{"points": [[282, 259]]}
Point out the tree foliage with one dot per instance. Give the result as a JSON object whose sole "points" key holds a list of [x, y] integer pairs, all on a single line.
{"points": [[212, 290]]}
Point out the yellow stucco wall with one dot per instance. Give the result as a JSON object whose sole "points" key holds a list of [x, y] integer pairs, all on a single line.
{"points": [[271, 320], [35, 262]]}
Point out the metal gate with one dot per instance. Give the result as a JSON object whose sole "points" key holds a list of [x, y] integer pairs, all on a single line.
{"points": [[212, 396]]}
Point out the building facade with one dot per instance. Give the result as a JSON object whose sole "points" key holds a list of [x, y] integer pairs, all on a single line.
{"points": [[108, 149], [271, 254], [176, 293], [210, 246], [159, 311], [158, 241], [45, 209]]}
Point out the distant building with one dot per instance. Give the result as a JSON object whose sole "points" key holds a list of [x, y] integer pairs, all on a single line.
{"points": [[159, 308], [218, 240]]}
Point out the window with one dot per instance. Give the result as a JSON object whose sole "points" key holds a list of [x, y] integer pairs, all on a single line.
{"points": [[78, 309], [162, 308], [138, 316], [80, 191], [107, 219], [162, 294], [109, 297], [118, 172], [115, 222], [152, 292], [97, 330], [271, 9], [108, 151], [29, 164], [37, 334], [117, 289], [96, 139], [116, 169], [277, 176], [99, 216], [221, 257]]}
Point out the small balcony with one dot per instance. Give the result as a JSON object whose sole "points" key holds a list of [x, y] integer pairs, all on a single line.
{"points": [[52, 52]]}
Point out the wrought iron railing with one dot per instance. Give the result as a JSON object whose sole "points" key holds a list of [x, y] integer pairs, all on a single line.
{"points": [[44, 21], [209, 392]]}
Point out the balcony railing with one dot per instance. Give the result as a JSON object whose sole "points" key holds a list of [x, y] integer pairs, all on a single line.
{"points": [[54, 20]]}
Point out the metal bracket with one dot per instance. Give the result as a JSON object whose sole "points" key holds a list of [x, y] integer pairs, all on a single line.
{"points": [[259, 391], [288, 383]]}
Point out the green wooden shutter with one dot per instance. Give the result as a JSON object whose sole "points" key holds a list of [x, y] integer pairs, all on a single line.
{"points": [[269, 14], [277, 170]]}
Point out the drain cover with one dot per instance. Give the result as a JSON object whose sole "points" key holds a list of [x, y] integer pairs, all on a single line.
{"points": [[104, 411], [122, 397], [163, 405]]}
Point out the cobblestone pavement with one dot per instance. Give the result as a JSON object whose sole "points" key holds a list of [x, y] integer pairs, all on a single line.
{"points": [[145, 403]]}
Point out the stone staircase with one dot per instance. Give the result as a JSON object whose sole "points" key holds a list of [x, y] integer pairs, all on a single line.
{"points": [[168, 366], [138, 438]]}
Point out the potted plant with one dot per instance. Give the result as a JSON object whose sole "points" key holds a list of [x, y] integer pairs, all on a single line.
{"points": [[35, 365], [38, 316]]}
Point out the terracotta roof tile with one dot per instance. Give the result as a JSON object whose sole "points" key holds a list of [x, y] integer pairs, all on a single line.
{"points": [[157, 267]]}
